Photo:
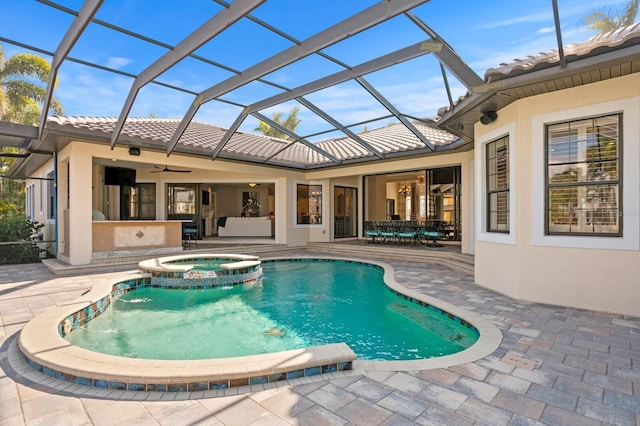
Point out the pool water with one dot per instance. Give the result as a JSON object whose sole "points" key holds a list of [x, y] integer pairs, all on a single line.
{"points": [[296, 304], [203, 265]]}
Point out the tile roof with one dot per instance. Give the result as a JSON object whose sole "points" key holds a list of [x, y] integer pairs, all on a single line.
{"points": [[602, 43], [202, 138], [622, 37], [388, 139]]}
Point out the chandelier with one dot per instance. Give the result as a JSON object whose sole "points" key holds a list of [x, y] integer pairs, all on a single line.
{"points": [[404, 190]]}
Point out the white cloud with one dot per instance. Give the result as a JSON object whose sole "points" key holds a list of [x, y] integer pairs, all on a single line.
{"points": [[117, 62], [546, 30], [532, 17]]}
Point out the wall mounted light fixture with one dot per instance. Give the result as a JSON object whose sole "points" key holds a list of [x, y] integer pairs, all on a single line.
{"points": [[488, 117], [134, 150]]}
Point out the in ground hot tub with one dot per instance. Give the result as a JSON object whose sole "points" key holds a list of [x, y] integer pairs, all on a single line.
{"points": [[202, 270]]}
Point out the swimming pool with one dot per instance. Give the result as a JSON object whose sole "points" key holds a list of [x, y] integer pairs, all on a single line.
{"points": [[42, 344], [298, 303]]}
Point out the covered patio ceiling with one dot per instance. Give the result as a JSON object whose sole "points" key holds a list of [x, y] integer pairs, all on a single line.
{"points": [[349, 67]]}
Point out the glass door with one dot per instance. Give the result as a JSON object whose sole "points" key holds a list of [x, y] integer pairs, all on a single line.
{"points": [[345, 206], [184, 203], [443, 201]]}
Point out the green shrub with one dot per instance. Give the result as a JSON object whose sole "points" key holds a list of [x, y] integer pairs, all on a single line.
{"points": [[18, 228]]}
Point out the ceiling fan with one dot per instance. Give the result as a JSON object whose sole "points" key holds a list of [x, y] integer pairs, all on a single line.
{"points": [[167, 169]]}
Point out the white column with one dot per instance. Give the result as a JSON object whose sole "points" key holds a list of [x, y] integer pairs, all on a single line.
{"points": [[80, 201]]}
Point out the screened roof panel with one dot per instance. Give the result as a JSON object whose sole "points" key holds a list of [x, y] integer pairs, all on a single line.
{"points": [[221, 113], [102, 92], [12, 25], [123, 52], [243, 44], [379, 40], [309, 120], [169, 24], [348, 103], [322, 15], [150, 59], [414, 87], [251, 92], [159, 101], [306, 70], [194, 74]]}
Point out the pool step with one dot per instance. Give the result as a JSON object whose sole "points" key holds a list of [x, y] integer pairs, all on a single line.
{"points": [[459, 261]]}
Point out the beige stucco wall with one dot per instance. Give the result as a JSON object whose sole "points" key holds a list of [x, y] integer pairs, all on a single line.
{"points": [[597, 273]]}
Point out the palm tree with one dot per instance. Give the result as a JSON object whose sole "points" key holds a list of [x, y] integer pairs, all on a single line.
{"points": [[23, 79], [606, 19], [290, 123]]}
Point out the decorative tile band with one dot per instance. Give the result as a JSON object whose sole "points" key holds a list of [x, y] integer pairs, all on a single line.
{"points": [[238, 269], [194, 386]]}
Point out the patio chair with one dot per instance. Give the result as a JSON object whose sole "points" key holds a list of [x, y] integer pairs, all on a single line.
{"points": [[387, 231], [371, 232], [190, 234], [407, 233], [433, 233]]}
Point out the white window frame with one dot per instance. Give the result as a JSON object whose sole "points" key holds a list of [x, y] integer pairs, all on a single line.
{"points": [[31, 200], [630, 240], [481, 185]]}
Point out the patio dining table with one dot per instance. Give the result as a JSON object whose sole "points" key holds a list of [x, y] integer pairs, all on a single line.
{"points": [[396, 232]]}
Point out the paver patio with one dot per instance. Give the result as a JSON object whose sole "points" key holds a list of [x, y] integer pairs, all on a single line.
{"points": [[555, 366]]}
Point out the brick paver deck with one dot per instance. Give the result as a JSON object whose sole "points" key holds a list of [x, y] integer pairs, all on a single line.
{"points": [[555, 366]]}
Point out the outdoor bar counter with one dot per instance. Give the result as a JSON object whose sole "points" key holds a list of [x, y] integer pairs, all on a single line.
{"points": [[135, 235]]}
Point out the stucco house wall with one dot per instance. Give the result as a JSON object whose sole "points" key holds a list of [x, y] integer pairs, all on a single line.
{"points": [[590, 272]]}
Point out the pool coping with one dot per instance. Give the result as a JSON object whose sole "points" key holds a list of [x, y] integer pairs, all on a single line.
{"points": [[45, 349], [160, 264]]}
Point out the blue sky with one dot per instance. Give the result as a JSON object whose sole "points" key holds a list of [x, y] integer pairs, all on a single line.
{"points": [[484, 34]]}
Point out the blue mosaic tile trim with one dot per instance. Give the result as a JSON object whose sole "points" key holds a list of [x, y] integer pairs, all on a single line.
{"points": [[193, 387], [190, 283], [438, 310]]}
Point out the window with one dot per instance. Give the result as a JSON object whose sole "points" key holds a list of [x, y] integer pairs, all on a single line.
{"points": [[308, 204], [497, 157], [143, 201], [181, 203], [583, 193], [51, 214], [31, 201]]}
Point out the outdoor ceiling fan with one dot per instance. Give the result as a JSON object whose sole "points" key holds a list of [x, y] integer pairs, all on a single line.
{"points": [[167, 169]]}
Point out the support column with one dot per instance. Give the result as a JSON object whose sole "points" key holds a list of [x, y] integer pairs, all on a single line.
{"points": [[78, 192]]}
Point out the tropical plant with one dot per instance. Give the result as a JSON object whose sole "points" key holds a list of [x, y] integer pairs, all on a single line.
{"points": [[290, 123], [23, 79], [605, 19], [19, 229], [11, 193]]}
